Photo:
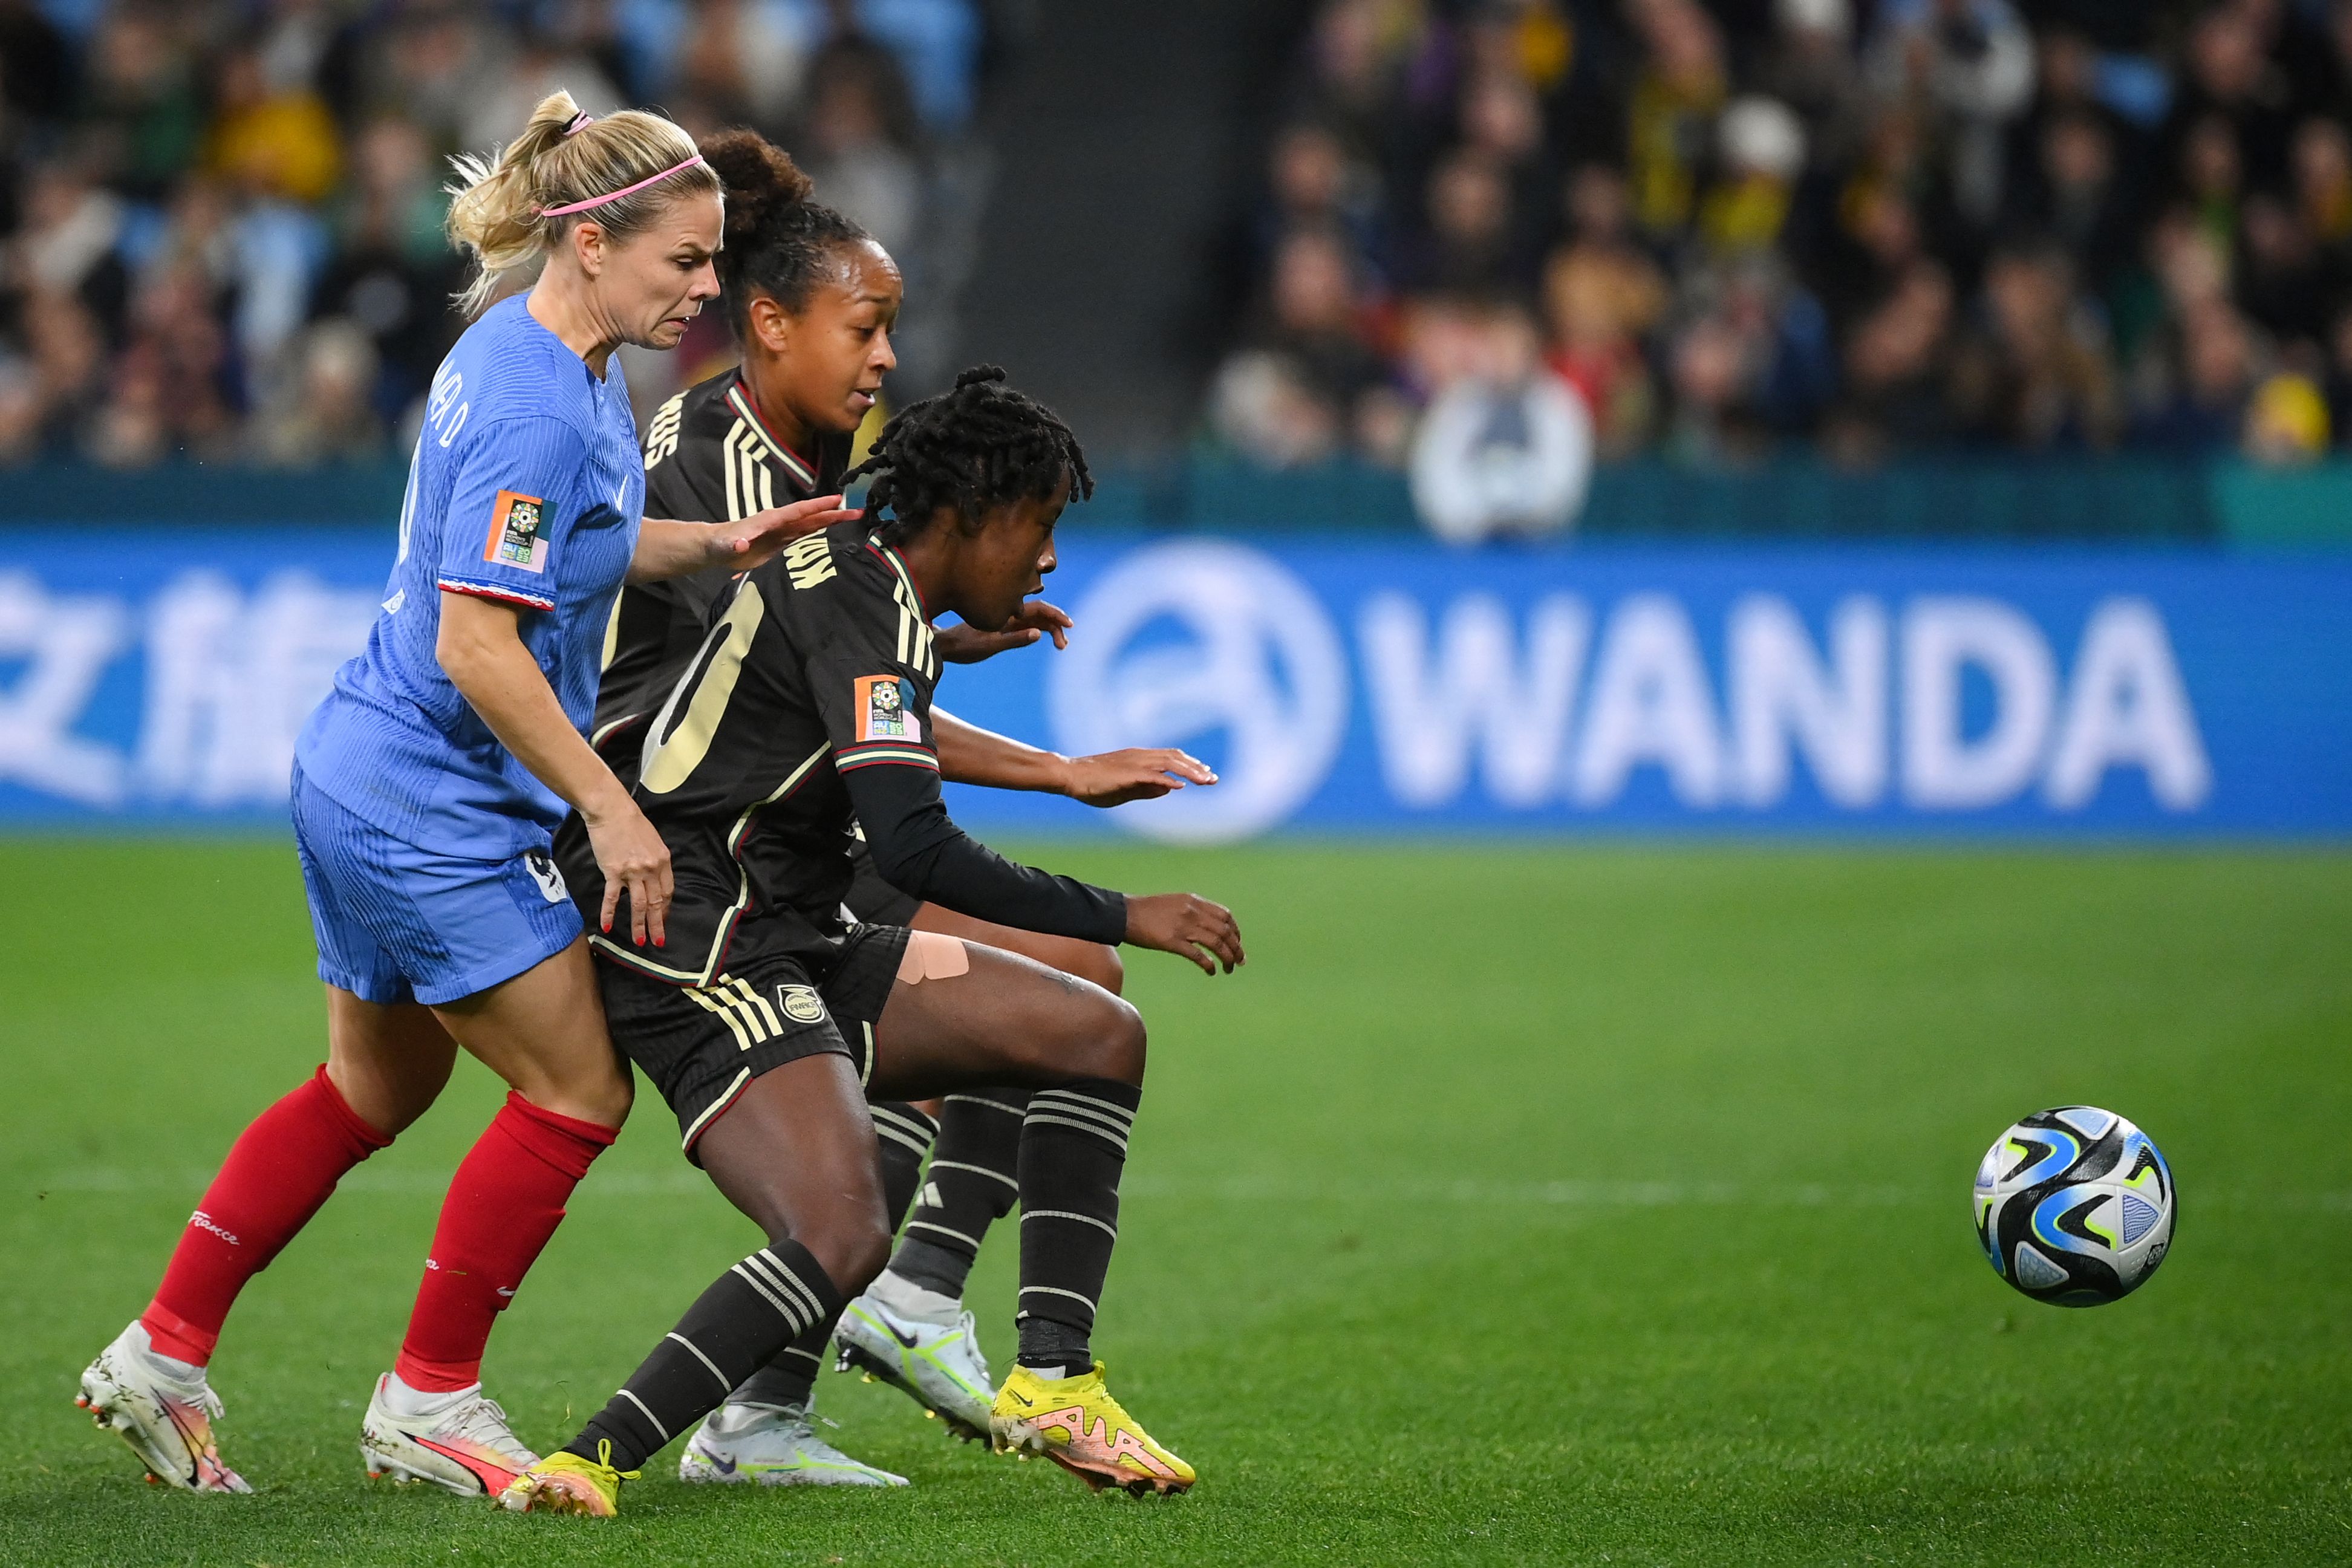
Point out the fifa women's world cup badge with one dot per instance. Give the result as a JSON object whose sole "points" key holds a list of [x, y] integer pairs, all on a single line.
{"points": [[516, 539], [882, 712]]}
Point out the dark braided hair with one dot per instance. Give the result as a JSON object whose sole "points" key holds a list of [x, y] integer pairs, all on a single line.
{"points": [[980, 446], [778, 240]]}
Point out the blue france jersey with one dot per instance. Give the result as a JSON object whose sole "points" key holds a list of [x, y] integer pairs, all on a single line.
{"points": [[527, 488]]}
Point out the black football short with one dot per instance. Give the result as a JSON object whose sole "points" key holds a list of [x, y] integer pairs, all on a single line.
{"points": [[870, 899], [702, 1045]]}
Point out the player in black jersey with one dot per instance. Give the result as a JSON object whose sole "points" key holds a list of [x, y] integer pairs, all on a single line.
{"points": [[813, 300], [765, 1012]]}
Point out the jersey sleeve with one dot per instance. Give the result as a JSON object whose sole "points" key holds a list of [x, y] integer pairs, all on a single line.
{"points": [[920, 852], [512, 502], [873, 673], [868, 677]]}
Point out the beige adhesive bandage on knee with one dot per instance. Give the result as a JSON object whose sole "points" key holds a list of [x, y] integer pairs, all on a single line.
{"points": [[931, 956]]}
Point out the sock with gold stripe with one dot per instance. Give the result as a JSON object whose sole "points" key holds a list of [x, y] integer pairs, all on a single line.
{"points": [[904, 1135], [748, 1313], [1073, 1150]]}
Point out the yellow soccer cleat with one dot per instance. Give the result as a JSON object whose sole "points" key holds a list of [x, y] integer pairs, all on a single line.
{"points": [[566, 1483], [1076, 1423]]}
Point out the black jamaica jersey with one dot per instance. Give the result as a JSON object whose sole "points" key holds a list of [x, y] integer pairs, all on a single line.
{"points": [[709, 458], [807, 704]]}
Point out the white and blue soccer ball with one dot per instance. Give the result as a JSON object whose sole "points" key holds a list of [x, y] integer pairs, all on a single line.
{"points": [[2075, 1207]]}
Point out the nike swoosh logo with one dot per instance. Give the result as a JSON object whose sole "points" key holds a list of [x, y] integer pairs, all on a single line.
{"points": [[481, 1470], [909, 1340], [187, 1439], [1026, 1403], [724, 1467]]}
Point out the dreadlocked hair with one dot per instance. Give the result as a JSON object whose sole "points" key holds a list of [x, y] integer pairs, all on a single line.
{"points": [[980, 446], [778, 241]]}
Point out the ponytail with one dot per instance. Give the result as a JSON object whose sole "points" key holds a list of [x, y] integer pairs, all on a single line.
{"points": [[499, 214]]}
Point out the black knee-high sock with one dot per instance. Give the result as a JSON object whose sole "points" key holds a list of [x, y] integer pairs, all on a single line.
{"points": [[736, 1326], [904, 1135], [1073, 1149], [975, 1177]]}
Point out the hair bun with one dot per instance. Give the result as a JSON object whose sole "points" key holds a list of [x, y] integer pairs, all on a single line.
{"points": [[980, 375], [761, 180]]}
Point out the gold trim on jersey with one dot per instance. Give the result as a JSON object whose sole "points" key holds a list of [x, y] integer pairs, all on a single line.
{"points": [[672, 754], [612, 634], [750, 487], [738, 400], [917, 645], [637, 960]]}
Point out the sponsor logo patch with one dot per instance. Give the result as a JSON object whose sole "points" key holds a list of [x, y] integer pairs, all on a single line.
{"points": [[882, 713], [516, 537], [801, 1003]]}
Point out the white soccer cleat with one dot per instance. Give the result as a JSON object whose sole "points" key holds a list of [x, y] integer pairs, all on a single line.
{"points": [[458, 1440], [153, 1403], [936, 1364], [771, 1445]]}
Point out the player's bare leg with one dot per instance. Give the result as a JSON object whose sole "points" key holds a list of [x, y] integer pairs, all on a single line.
{"points": [[795, 1153], [972, 1016], [543, 1032], [151, 1386], [910, 1328]]}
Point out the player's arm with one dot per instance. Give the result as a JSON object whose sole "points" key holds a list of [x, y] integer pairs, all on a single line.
{"points": [[668, 547], [961, 645], [920, 852], [970, 755], [480, 648], [514, 511], [877, 715]]}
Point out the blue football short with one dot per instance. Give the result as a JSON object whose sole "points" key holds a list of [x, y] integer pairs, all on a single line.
{"points": [[400, 924]]}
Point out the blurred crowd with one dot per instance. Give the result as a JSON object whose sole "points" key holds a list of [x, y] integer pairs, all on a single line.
{"points": [[220, 223], [1872, 227]]}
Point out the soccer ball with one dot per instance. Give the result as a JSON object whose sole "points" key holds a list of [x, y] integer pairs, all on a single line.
{"points": [[2075, 1207]]}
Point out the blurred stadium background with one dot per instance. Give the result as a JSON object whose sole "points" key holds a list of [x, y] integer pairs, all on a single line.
{"points": [[1770, 581]]}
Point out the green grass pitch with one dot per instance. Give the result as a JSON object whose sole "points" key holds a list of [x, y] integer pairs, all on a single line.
{"points": [[1592, 1205]]}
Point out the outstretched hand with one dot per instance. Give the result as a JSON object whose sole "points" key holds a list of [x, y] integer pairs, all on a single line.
{"points": [[1138, 773], [740, 546], [962, 645], [1188, 925]]}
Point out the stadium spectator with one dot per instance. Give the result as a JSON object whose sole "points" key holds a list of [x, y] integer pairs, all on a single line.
{"points": [[220, 219], [1751, 226], [2032, 373]]}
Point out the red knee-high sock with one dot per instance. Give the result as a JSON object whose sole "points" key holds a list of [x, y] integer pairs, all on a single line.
{"points": [[278, 1173], [505, 1202]]}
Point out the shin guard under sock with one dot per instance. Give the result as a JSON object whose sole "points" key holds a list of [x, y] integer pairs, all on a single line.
{"points": [[1073, 1150], [735, 1327], [904, 1136], [974, 1179], [505, 1201], [278, 1172]]}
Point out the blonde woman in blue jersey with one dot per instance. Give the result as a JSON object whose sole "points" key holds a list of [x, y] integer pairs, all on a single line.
{"points": [[426, 787]]}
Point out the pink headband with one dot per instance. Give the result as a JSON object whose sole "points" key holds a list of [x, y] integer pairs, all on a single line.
{"points": [[580, 122], [616, 196]]}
